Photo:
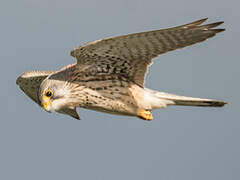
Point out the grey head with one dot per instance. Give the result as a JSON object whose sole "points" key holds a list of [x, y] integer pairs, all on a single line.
{"points": [[55, 94], [35, 85]]}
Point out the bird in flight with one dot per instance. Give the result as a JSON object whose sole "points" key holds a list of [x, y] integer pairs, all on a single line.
{"points": [[109, 74]]}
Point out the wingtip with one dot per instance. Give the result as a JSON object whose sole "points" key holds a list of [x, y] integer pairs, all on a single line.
{"points": [[203, 20], [225, 103], [220, 103], [199, 23], [213, 25], [220, 22], [219, 30], [196, 23]]}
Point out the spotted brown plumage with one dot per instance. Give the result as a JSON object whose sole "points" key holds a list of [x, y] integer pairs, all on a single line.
{"points": [[109, 74], [131, 54]]}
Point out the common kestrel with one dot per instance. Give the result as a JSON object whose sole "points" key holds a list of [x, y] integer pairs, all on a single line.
{"points": [[109, 74]]}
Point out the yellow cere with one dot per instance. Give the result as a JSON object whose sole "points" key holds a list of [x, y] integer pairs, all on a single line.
{"points": [[47, 106]]}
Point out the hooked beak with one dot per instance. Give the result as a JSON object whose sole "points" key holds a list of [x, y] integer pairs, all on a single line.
{"points": [[47, 106]]}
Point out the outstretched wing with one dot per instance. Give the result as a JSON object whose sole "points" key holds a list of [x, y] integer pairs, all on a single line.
{"points": [[30, 82], [130, 55]]}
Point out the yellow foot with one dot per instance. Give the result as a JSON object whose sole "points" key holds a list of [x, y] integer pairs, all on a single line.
{"points": [[145, 115]]}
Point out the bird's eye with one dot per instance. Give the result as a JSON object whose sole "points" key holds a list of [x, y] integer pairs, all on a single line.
{"points": [[49, 93]]}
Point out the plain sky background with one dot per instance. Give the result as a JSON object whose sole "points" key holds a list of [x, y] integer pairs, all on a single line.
{"points": [[181, 143]]}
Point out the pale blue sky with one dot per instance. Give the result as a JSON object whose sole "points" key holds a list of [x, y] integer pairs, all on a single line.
{"points": [[183, 143]]}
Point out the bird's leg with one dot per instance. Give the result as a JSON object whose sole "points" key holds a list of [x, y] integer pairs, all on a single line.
{"points": [[145, 114]]}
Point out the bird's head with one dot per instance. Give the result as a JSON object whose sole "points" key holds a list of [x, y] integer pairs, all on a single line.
{"points": [[53, 94]]}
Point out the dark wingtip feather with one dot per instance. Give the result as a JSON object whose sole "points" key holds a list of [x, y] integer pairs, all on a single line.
{"points": [[195, 23], [219, 30], [212, 25], [206, 27], [202, 20], [198, 22], [217, 103]]}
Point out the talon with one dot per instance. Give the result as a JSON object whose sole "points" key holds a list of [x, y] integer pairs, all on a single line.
{"points": [[145, 115]]}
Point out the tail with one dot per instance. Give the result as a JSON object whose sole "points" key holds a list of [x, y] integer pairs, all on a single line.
{"points": [[161, 99]]}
